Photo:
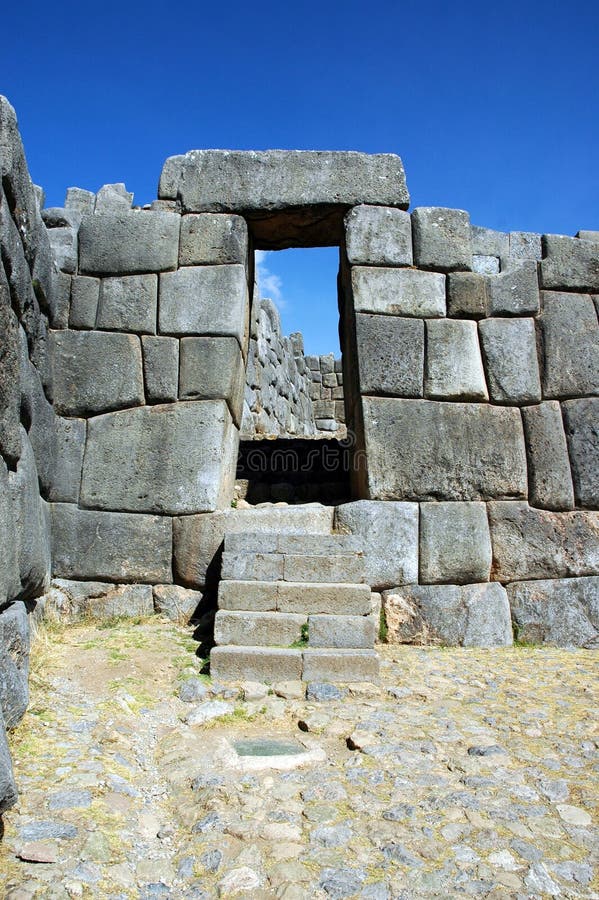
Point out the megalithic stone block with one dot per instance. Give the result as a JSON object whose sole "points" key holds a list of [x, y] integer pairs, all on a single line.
{"points": [[128, 303], [442, 239], [208, 239], [390, 355], [398, 292], [582, 430], [448, 451], [562, 612], [127, 243], [173, 459], [211, 368], [378, 236], [268, 664], [569, 263], [454, 368], [455, 544], [514, 292], [570, 345], [258, 629], [510, 353], [549, 476]]}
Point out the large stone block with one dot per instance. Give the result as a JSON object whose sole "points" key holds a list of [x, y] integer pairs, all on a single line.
{"points": [[487, 242], [268, 664], [560, 612], [85, 294], [197, 539], [569, 263], [334, 599], [455, 544], [70, 444], [570, 345], [466, 295], [582, 431], [205, 300], [426, 450], [70, 601], [388, 537], [128, 242], [514, 292], [211, 368], [390, 355], [549, 477], [510, 352], [10, 393], [378, 236], [10, 582], [535, 543], [177, 603], [109, 546], [472, 615], [254, 596], [208, 239], [128, 303], [345, 632], [258, 629], [340, 665], [8, 787], [398, 292], [161, 368], [29, 525], [454, 368], [39, 418], [96, 372], [14, 663], [442, 238], [238, 181], [524, 245], [252, 567], [63, 242], [343, 567], [176, 458]]}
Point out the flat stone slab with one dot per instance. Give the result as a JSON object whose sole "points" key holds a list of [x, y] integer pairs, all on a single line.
{"points": [[258, 629], [340, 665], [255, 664], [290, 597]]}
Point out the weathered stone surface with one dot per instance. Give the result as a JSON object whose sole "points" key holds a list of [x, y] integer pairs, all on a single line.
{"points": [[128, 303], [169, 459], [85, 293], [10, 394], [442, 238], [466, 295], [63, 242], [340, 665], [110, 546], [390, 355], [510, 354], [398, 292], [14, 663], [524, 245], [582, 431], [378, 236], [197, 539], [128, 242], [161, 368], [454, 368], [485, 265], [449, 451], [258, 629], [211, 368], [455, 544], [569, 263], [487, 242], [176, 603], [255, 664], [334, 599], [342, 631], [113, 198], [10, 582], [61, 300], [387, 535], [237, 181], [70, 444], [96, 372], [549, 477], [514, 292], [76, 600], [29, 525], [570, 345], [256, 596], [39, 419], [8, 787], [562, 612], [534, 543], [208, 239], [346, 567], [472, 615], [79, 201], [252, 566], [205, 300]]}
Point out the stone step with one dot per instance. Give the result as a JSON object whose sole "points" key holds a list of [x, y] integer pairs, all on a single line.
{"points": [[295, 597], [346, 568], [273, 542], [230, 663], [275, 629]]}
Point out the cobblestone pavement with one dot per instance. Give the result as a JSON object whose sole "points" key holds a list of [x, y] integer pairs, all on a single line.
{"points": [[468, 772]]}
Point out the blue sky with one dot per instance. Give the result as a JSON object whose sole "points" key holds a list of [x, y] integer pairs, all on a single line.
{"points": [[492, 107]]}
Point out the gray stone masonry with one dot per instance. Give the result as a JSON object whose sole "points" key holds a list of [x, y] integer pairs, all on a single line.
{"points": [[569, 264], [514, 292], [161, 368], [561, 612], [449, 451], [211, 368], [390, 355], [454, 368], [128, 303], [549, 476], [455, 544], [398, 292], [442, 239], [213, 240], [510, 354], [466, 295], [378, 236], [581, 419], [125, 243], [85, 296], [570, 341]]}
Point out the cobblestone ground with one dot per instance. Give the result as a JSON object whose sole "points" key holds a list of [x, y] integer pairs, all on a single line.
{"points": [[467, 772]]}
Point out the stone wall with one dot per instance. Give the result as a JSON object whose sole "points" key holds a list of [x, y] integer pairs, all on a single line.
{"points": [[326, 392], [29, 292]]}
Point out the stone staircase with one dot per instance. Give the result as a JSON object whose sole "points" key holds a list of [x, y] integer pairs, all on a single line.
{"points": [[294, 608]]}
